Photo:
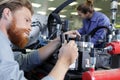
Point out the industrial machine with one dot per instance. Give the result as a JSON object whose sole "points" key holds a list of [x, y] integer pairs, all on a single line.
{"points": [[113, 48]]}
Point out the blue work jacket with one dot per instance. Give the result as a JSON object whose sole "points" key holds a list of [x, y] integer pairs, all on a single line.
{"points": [[97, 20]]}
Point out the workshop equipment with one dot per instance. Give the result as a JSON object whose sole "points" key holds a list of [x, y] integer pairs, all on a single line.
{"points": [[113, 74]]}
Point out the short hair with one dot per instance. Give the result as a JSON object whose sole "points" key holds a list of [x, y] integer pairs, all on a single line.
{"points": [[86, 7], [14, 5]]}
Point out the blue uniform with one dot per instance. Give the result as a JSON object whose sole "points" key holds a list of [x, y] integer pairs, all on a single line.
{"points": [[98, 19]]}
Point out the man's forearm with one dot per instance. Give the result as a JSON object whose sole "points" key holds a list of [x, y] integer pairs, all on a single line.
{"points": [[49, 48], [59, 71]]}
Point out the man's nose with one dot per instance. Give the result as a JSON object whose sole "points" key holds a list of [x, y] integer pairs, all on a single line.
{"points": [[29, 28]]}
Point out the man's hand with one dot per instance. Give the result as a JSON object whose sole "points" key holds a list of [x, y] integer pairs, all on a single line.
{"points": [[73, 33], [68, 53]]}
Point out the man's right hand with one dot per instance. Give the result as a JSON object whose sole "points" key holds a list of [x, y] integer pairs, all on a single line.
{"points": [[68, 53]]}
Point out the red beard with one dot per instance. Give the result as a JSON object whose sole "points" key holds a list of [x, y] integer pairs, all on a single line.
{"points": [[17, 35]]}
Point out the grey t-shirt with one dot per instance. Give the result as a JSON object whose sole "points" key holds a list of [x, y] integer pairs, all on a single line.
{"points": [[9, 67]]}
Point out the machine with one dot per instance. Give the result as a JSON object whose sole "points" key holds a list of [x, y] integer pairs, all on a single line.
{"points": [[113, 48]]}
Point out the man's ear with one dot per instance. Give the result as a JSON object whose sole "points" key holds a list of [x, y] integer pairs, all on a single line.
{"points": [[7, 14]]}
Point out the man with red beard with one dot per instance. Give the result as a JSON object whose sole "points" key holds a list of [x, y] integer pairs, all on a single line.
{"points": [[15, 26]]}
